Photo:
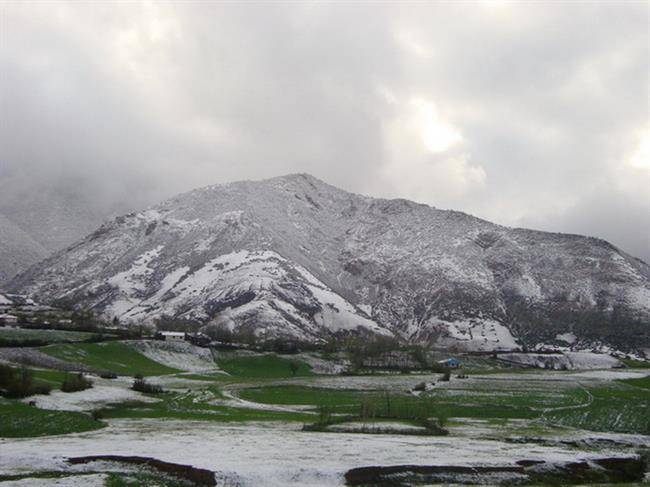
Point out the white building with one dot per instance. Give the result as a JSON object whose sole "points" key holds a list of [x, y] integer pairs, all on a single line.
{"points": [[170, 336], [7, 319]]}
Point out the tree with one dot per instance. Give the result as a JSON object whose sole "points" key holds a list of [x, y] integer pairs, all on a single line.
{"points": [[420, 356]]}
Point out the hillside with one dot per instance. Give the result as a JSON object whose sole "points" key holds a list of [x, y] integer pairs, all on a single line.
{"points": [[294, 256]]}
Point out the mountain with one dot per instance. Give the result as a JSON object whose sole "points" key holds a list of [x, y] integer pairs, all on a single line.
{"points": [[294, 256], [18, 250]]}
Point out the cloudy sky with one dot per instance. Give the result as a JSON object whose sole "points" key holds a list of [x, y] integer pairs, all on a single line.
{"points": [[527, 114]]}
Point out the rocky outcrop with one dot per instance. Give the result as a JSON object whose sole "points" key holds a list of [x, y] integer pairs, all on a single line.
{"points": [[196, 476], [523, 472]]}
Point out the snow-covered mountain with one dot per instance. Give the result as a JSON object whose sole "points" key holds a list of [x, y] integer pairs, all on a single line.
{"points": [[294, 256]]}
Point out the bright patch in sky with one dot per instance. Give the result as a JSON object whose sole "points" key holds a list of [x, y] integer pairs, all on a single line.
{"points": [[641, 156], [436, 134]]}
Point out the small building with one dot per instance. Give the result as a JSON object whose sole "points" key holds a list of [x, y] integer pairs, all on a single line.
{"points": [[452, 363], [171, 336], [7, 319]]}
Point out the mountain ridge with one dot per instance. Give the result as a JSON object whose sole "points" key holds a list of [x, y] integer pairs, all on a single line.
{"points": [[295, 256]]}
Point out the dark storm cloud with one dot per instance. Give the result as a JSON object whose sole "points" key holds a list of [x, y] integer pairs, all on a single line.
{"points": [[525, 114]]}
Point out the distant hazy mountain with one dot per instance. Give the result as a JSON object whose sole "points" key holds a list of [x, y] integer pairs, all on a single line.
{"points": [[18, 250], [38, 219], [294, 256]]}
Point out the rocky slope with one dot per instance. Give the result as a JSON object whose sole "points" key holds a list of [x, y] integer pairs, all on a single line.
{"points": [[295, 256]]}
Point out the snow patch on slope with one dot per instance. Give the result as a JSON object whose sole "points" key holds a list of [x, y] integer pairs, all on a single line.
{"points": [[177, 355], [277, 291], [477, 335], [563, 361], [103, 392]]}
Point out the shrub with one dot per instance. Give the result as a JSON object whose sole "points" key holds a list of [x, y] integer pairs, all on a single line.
{"points": [[438, 368], [324, 414], [76, 382], [294, 366], [43, 389], [420, 356], [420, 387], [142, 385], [18, 383], [6, 375]]}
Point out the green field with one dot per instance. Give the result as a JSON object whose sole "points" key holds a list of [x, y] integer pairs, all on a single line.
{"points": [[20, 420], [643, 382], [262, 366], [617, 407], [636, 364], [111, 356], [301, 395], [349, 402], [186, 406], [53, 378]]}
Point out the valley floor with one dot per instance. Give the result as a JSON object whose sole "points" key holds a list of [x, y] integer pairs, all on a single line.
{"points": [[279, 454], [242, 415]]}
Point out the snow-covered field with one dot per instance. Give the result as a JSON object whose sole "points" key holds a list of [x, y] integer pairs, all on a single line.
{"points": [[563, 360], [177, 355], [104, 391], [90, 480], [269, 454], [405, 383]]}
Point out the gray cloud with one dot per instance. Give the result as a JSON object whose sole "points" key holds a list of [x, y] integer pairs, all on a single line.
{"points": [[526, 114]]}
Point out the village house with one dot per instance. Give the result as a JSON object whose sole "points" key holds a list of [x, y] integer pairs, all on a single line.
{"points": [[452, 363], [171, 336], [7, 319]]}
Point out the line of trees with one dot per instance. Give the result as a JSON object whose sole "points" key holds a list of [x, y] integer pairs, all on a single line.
{"points": [[19, 382]]}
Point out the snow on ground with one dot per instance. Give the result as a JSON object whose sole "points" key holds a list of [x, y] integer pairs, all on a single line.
{"points": [[338, 314], [89, 480], [176, 354], [476, 335], [473, 428], [563, 361], [611, 374], [35, 358], [133, 278], [269, 454], [361, 382], [234, 401], [501, 383], [104, 391], [569, 338], [322, 366]]}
